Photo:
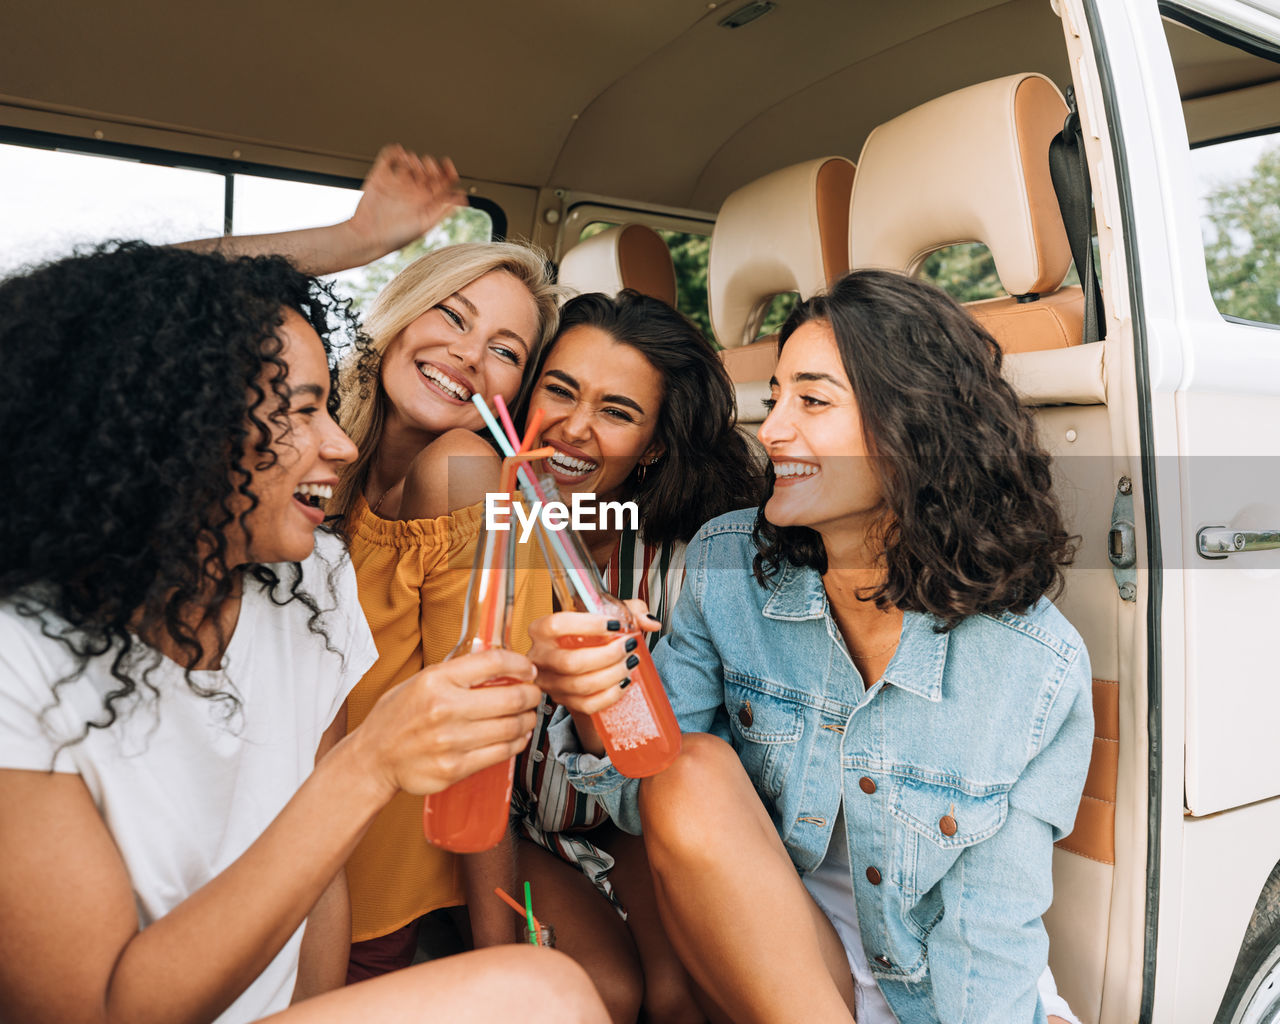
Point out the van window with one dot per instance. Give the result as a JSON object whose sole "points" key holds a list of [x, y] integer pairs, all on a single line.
{"points": [[52, 201], [966, 272], [466, 224], [1230, 94], [780, 307], [690, 254], [1238, 183]]}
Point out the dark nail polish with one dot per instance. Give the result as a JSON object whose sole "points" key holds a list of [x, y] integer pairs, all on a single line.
{"points": [[613, 625], [651, 617], [625, 683], [633, 661], [632, 644]]}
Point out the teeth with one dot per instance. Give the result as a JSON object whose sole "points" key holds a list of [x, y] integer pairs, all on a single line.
{"points": [[568, 464], [445, 381], [322, 491], [788, 469]]}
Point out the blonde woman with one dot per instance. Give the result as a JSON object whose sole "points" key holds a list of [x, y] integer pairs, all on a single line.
{"points": [[461, 321], [464, 320]]}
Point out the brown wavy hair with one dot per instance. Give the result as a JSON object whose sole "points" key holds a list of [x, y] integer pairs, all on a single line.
{"points": [[970, 523]]}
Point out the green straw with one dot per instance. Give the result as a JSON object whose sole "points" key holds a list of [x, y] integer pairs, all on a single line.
{"points": [[534, 937]]}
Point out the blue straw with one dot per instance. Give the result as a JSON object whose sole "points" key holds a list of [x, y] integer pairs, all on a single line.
{"points": [[498, 434]]}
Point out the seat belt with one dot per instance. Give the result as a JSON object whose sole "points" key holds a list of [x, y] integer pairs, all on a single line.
{"points": [[1070, 173]]}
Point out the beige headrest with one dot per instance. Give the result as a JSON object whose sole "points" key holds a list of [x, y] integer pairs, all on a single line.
{"points": [[626, 256], [971, 166], [786, 232]]}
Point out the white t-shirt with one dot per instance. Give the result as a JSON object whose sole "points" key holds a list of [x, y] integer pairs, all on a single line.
{"points": [[186, 784]]}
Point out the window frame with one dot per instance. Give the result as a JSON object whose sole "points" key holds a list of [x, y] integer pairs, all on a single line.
{"points": [[227, 169]]}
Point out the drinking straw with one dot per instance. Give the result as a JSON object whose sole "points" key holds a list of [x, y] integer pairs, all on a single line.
{"points": [[577, 574], [535, 933], [502, 894], [500, 551], [505, 417], [535, 424], [492, 424]]}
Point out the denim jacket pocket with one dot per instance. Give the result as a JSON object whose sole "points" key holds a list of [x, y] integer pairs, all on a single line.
{"points": [[934, 823], [765, 730]]}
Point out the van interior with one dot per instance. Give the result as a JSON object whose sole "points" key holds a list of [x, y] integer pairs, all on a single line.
{"points": [[806, 138]]}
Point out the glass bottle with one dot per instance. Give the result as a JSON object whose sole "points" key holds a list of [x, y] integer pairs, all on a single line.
{"points": [[640, 732], [471, 815]]}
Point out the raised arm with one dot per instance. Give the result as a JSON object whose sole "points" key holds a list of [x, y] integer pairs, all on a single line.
{"points": [[71, 948], [404, 196]]}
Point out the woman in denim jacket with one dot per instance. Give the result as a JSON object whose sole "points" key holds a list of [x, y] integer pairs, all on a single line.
{"points": [[889, 722]]}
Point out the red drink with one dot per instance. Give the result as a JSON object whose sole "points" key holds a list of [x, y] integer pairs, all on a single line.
{"points": [[471, 816], [640, 733]]}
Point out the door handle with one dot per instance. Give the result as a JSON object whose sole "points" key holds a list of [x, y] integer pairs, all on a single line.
{"points": [[1220, 541]]}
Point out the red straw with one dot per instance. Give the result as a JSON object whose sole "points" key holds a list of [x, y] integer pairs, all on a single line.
{"points": [[502, 894], [505, 417], [490, 606]]}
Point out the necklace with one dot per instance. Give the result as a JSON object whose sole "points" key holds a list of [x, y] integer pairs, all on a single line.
{"points": [[857, 653]]}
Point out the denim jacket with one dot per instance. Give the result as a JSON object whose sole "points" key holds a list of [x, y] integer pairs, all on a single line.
{"points": [[958, 769]]}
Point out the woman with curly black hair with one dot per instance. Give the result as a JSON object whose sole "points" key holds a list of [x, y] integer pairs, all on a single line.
{"points": [[176, 643], [888, 724]]}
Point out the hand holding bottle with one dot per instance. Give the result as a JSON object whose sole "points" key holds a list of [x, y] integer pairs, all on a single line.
{"points": [[585, 677], [442, 724]]}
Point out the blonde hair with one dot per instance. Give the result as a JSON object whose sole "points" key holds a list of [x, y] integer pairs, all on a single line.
{"points": [[425, 283]]}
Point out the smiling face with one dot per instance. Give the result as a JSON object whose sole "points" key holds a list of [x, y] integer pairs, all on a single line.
{"points": [[600, 400], [309, 448], [476, 341], [825, 478]]}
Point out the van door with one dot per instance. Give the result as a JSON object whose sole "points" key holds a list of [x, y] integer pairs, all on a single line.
{"points": [[1184, 85]]}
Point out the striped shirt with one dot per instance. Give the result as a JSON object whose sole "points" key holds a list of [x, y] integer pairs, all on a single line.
{"points": [[549, 811]]}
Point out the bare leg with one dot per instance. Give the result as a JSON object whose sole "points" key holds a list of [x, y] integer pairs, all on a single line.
{"points": [[502, 984], [587, 928], [668, 989], [735, 909]]}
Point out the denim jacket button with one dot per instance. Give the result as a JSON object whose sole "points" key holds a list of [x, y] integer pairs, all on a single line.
{"points": [[947, 826], [867, 785], [873, 876], [883, 961], [744, 714]]}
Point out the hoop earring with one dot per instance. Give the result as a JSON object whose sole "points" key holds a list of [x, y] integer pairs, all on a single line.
{"points": [[642, 468]]}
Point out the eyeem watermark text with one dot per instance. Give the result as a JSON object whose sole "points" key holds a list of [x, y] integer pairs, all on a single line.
{"points": [[582, 513]]}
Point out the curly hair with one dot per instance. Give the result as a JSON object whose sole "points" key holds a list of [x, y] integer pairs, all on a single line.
{"points": [[706, 468], [142, 387], [970, 523]]}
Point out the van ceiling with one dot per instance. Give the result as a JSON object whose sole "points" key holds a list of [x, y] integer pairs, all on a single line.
{"points": [[652, 101]]}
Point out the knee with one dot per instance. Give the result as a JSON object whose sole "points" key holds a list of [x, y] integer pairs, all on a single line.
{"points": [[559, 990], [622, 992], [675, 804], [670, 1000]]}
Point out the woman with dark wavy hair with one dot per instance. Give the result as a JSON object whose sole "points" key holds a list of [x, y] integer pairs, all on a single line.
{"points": [[888, 723], [176, 643], [639, 408]]}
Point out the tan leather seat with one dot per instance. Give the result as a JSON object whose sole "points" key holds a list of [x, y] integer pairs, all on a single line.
{"points": [[972, 166], [785, 232], [626, 256]]}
